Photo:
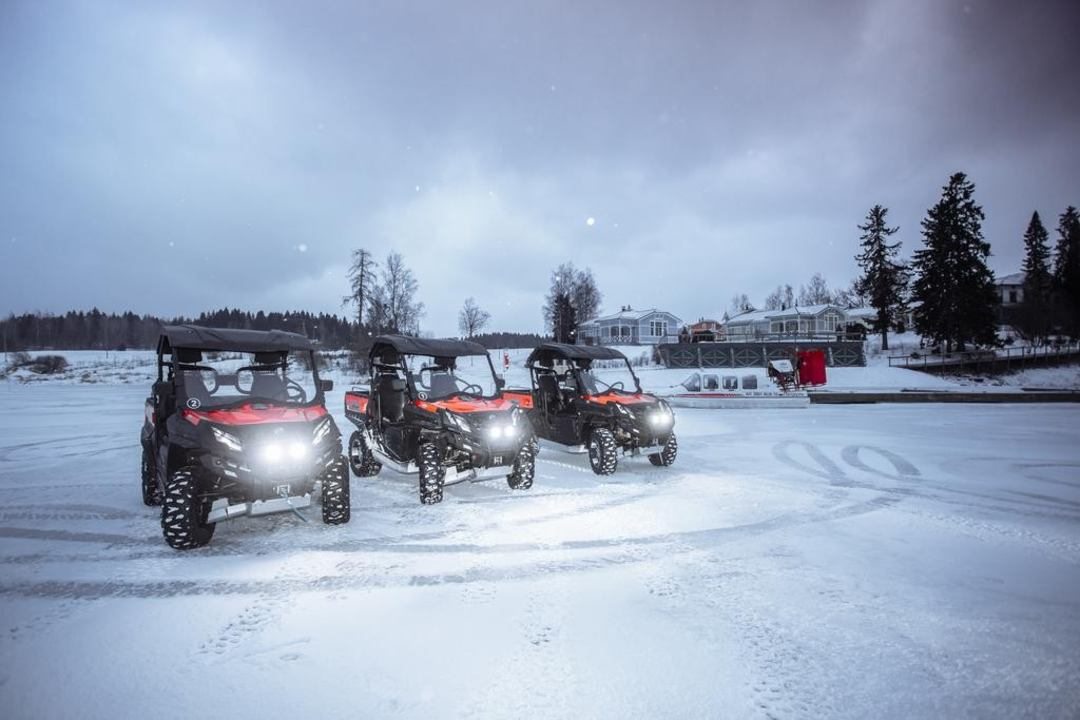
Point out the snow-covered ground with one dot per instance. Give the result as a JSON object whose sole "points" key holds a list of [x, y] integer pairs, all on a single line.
{"points": [[841, 562]]}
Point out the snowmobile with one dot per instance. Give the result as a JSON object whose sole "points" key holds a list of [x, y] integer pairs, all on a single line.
{"points": [[579, 408], [236, 425], [435, 408]]}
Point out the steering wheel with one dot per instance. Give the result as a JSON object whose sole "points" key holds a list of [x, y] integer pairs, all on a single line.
{"points": [[466, 391], [295, 392], [617, 382]]}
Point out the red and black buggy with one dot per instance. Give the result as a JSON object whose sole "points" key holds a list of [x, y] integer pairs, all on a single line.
{"points": [[435, 408], [587, 399], [237, 425]]}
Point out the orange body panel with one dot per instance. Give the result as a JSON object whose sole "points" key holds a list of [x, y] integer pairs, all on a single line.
{"points": [[356, 402], [464, 406], [250, 415], [523, 399]]}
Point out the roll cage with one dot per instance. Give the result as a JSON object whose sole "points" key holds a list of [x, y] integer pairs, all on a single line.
{"points": [[184, 345], [578, 360], [388, 362]]}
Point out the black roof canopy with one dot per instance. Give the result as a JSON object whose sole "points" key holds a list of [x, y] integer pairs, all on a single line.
{"points": [[547, 352], [424, 346], [195, 337]]}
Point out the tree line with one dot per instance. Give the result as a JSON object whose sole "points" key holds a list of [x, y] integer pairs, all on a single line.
{"points": [[947, 285], [96, 330]]}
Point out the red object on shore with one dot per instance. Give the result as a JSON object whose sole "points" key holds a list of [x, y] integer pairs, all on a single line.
{"points": [[812, 367]]}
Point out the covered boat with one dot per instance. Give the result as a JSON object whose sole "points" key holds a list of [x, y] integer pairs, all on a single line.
{"points": [[735, 388]]}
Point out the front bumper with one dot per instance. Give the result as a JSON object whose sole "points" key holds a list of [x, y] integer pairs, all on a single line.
{"points": [[221, 510], [642, 435], [241, 477]]}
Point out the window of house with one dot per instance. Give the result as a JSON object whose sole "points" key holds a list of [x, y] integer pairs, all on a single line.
{"points": [[1012, 296], [658, 328], [776, 326]]}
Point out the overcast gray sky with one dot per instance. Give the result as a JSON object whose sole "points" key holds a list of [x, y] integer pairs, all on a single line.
{"points": [[175, 157]]}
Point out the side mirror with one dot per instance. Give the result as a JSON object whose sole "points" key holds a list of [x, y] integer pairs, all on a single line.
{"points": [[500, 382], [397, 385], [326, 385]]}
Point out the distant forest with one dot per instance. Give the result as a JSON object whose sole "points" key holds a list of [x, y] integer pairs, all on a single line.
{"points": [[95, 330]]}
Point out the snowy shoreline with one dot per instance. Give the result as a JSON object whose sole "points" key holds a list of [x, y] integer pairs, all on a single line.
{"points": [[138, 367]]}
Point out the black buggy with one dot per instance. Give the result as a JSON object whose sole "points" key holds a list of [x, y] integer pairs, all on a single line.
{"points": [[577, 406], [435, 408], [237, 425]]}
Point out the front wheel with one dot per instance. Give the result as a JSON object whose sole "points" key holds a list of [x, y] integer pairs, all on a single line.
{"points": [[336, 507], [521, 477], [151, 493], [184, 511], [666, 456], [432, 474], [602, 456], [361, 460]]}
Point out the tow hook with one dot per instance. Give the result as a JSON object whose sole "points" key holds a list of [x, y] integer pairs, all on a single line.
{"points": [[283, 491]]}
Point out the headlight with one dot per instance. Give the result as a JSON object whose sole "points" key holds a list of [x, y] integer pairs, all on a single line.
{"points": [[227, 439], [272, 453], [455, 420], [298, 451], [321, 431], [496, 432], [661, 417]]}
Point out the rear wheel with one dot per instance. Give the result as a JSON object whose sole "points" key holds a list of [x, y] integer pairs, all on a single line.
{"points": [[521, 477], [432, 474], [602, 456], [336, 507], [361, 459], [666, 456], [184, 511], [151, 493]]}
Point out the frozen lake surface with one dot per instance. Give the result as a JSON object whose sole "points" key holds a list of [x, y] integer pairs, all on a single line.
{"points": [[841, 562]]}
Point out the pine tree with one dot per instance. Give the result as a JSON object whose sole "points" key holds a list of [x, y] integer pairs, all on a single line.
{"points": [[563, 318], [362, 282], [884, 279], [1066, 280], [1034, 317], [954, 285], [580, 291]]}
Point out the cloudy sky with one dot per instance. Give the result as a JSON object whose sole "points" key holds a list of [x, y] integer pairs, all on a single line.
{"points": [[175, 157]]}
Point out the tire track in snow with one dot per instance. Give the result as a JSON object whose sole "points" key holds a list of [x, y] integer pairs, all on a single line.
{"points": [[612, 552]]}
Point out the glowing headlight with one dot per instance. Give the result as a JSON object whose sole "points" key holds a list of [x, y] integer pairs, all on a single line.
{"points": [[661, 417], [298, 451], [272, 453], [227, 439], [501, 431], [321, 431]]}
